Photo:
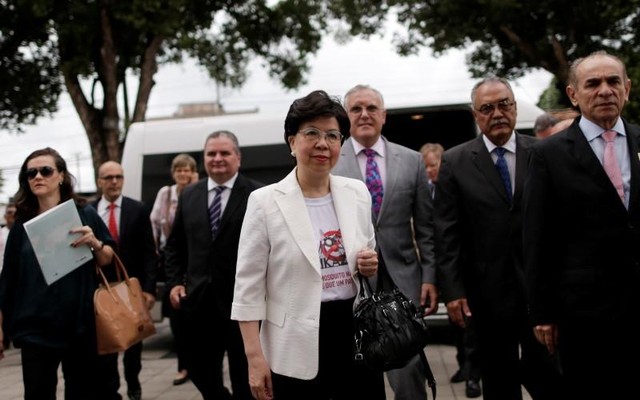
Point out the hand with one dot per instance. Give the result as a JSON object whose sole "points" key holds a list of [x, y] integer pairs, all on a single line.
{"points": [[260, 378], [459, 311], [547, 335], [176, 295], [367, 262], [86, 238], [429, 297], [1, 342]]}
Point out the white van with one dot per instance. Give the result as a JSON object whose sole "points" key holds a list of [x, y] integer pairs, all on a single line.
{"points": [[151, 146]]}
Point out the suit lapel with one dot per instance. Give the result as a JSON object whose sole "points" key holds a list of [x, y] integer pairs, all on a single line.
{"points": [[349, 167], [588, 160], [392, 164], [486, 167], [522, 160], [633, 136], [291, 203], [238, 193]]}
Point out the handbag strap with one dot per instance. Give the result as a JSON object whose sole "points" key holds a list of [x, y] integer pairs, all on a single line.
{"points": [[431, 381], [120, 269]]}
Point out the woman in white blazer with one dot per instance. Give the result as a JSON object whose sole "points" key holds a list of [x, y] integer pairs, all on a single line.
{"points": [[303, 241]]}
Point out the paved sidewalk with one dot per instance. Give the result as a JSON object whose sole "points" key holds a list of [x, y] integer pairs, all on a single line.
{"points": [[159, 368]]}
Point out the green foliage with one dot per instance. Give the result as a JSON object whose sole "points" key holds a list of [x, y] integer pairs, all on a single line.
{"points": [[49, 45], [511, 37]]}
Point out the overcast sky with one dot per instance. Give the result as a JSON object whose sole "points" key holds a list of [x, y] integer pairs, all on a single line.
{"points": [[419, 79]]}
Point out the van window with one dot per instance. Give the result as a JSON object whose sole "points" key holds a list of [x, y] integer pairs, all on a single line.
{"points": [[413, 127]]}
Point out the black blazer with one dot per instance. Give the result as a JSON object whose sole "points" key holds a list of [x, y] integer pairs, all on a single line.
{"points": [[193, 257], [581, 244], [478, 231], [137, 248]]}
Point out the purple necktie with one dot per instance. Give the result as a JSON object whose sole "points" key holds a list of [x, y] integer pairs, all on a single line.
{"points": [[610, 162], [373, 181]]}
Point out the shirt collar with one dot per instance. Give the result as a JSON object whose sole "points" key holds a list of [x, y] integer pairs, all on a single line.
{"points": [[592, 130], [211, 184], [510, 146], [118, 201], [378, 146]]}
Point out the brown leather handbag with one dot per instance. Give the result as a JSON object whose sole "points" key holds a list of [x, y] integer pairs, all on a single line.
{"points": [[122, 316]]}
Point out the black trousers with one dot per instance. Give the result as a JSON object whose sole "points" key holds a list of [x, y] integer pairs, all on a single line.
{"points": [[79, 368], [338, 377], [511, 357], [205, 354], [108, 367]]}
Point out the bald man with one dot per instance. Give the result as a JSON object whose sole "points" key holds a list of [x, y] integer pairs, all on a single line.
{"points": [[130, 227]]}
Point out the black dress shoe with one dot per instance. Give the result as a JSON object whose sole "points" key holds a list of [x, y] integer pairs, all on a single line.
{"points": [[473, 389], [457, 377]]}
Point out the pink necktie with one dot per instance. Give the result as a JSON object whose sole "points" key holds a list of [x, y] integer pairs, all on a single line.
{"points": [[610, 162]]}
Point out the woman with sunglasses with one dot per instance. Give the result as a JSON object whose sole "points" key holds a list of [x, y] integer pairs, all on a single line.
{"points": [[52, 324]]}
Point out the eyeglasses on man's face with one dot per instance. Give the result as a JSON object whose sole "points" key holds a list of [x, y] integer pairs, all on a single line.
{"points": [[504, 105], [314, 135], [45, 172], [112, 177], [371, 109]]}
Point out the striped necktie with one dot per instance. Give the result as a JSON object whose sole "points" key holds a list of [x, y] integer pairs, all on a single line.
{"points": [[215, 210]]}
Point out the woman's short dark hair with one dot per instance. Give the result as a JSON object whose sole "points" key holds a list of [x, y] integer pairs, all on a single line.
{"points": [[316, 104], [26, 202]]}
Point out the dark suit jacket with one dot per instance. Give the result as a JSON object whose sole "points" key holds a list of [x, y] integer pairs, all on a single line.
{"points": [[581, 244], [478, 232], [136, 249], [193, 257]]}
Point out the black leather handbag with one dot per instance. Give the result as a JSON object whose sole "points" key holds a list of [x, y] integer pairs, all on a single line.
{"points": [[388, 328]]}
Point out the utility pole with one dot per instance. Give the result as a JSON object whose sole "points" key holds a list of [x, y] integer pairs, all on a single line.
{"points": [[78, 180]]}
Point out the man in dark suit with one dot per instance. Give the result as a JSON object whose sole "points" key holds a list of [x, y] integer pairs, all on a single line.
{"points": [[581, 236], [479, 247], [130, 226], [403, 222], [201, 255]]}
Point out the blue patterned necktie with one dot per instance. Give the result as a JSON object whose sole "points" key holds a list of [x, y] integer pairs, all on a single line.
{"points": [[215, 210], [373, 181], [503, 170]]}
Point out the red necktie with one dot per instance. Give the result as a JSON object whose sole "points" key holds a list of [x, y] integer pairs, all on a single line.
{"points": [[113, 225]]}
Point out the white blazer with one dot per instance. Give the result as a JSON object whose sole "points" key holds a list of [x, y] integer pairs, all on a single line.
{"points": [[278, 278]]}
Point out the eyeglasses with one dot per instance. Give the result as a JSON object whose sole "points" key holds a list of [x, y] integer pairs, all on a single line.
{"points": [[45, 172], [488, 109], [371, 109], [313, 135], [112, 177]]}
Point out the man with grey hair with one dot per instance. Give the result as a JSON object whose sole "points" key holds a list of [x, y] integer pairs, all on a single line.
{"points": [[201, 255], [401, 215], [479, 247], [581, 232]]}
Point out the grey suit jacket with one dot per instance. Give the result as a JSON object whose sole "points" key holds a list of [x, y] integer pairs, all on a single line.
{"points": [[404, 228]]}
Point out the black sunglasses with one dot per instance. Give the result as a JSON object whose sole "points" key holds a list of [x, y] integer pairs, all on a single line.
{"points": [[45, 171]]}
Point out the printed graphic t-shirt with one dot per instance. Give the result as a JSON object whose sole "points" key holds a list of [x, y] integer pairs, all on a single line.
{"points": [[337, 283]]}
